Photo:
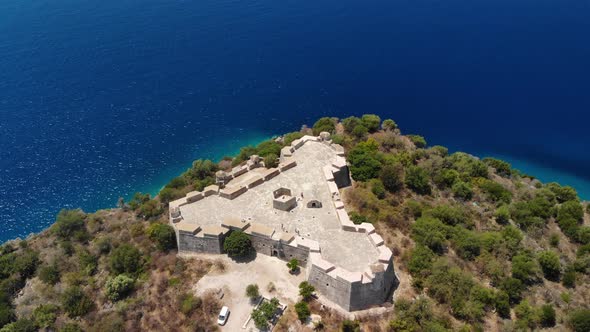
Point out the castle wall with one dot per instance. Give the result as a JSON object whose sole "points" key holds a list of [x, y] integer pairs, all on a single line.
{"points": [[365, 295], [334, 289], [205, 244]]}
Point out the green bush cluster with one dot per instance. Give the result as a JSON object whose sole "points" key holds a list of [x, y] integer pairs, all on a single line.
{"points": [[237, 244], [163, 235], [118, 287]]}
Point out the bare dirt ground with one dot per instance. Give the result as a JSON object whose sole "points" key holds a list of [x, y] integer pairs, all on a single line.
{"points": [[232, 278]]}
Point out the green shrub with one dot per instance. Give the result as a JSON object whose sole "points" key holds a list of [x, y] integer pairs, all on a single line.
{"points": [[364, 161], [150, 209], [569, 277], [496, 192], [21, 325], [419, 141], [549, 262], [71, 327], [547, 316], [389, 124], [502, 215], [371, 121], [360, 131], [252, 291], [118, 287], [450, 215], [271, 160], [579, 320], [45, 315], [351, 326], [75, 302], [163, 235], [446, 178], [69, 224], [417, 179], [293, 265], [324, 124], [467, 243], [502, 168], [513, 288], [189, 303], [462, 190], [431, 233], [526, 315], [306, 290], [563, 194], [237, 244], [377, 188], [126, 259], [88, 262], [525, 268], [290, 137], [138, 199], [302, 310], [268, 148], [350, 123], [421, 259], [358, 218], [392, 177]]}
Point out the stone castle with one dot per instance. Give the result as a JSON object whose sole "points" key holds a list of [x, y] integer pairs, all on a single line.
{"points": [[293, 211]]}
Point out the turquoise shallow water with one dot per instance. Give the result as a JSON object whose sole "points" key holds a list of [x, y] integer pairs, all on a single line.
{"points": [[100, 99]]}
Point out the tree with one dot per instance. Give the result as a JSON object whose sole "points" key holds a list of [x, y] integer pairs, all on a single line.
{"points": [[163, 235], [513, 287], [271, 160], [364, 160], [547, 315], [462, 190], [360, 131], [563, 194], [502, 215], [525, 268], [579, 320], [389, 125], [293, 265], [377, 188], [306, 290], [70, 224], [75, 302], [569, 277], [392, 177], [350, 123], [150, 209], [417, 180], [21, 325], [324, 124], [549, 262], [502, 168], [419, 141], [118, 287], [45, 315], [371, 122], [526, 316], [302, 310], [252, 291], [126, 259], [237, 244]]}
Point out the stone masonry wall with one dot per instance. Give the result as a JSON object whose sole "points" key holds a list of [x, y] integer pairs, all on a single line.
{"points": [[192, 243]]}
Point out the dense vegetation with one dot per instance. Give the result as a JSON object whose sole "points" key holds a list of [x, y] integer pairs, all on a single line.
{"points": [[478, 246]]}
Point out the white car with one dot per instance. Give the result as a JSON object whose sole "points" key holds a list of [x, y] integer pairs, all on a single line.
{"points": [[223, 315]]}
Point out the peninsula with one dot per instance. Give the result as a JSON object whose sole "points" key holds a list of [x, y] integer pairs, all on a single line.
{"points": [[348, 225]]}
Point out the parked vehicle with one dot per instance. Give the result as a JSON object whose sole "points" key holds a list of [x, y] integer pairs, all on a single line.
{"points": [[223, 315]]}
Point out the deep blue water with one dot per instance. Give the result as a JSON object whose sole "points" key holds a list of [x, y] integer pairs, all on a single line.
{"points": [[99, 99]]}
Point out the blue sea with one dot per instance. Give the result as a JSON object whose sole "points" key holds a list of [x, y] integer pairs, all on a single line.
{"points": [[100, 99]]}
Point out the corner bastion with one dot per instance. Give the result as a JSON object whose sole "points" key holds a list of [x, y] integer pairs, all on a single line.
{"points": [[293, 211]]}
